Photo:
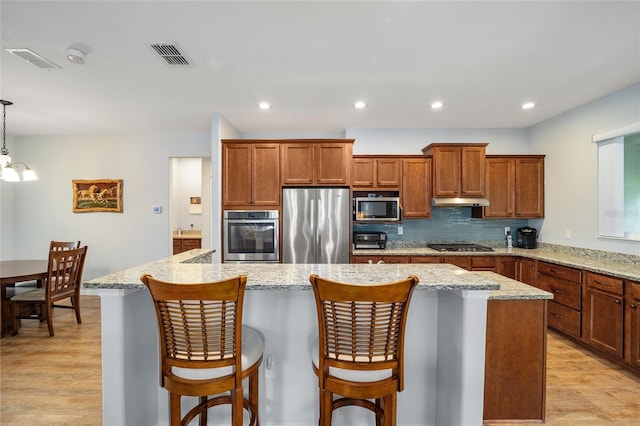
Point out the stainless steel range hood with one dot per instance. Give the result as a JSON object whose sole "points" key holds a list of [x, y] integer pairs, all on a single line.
{"points": [[459, 202]]}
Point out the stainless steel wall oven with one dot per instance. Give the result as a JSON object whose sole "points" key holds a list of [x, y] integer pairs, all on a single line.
{"points": [[250, 236]]}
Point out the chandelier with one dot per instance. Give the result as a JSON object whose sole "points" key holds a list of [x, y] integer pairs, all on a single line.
{"points": [[8, 170]]}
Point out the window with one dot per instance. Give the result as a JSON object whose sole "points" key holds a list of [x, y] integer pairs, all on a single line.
{"points": [[619, 183]]}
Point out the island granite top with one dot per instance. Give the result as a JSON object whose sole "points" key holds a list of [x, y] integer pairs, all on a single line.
{"points": [[196, 266], [268, 276]]}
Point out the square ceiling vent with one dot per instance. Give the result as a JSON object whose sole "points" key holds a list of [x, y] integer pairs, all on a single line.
{"points": [[33, 58], [171, 54]]}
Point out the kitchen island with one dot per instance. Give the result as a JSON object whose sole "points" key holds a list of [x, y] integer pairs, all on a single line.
{"points": [[444, 353]]}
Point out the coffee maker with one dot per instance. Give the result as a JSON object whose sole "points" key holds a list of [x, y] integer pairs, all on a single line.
{"points": [[526, 237]]}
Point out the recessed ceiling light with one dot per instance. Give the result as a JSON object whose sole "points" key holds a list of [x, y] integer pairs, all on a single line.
{"points": [[436, 105], [359, 105], [528, 105], [264, 105]]}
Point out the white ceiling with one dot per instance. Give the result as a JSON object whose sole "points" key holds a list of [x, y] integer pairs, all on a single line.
{"points": [[312, 61]]}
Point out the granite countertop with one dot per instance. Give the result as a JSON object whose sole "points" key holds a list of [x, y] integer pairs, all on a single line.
{"points": [[187, 234], [609, 263], [196, 266], [512, 289], [182, 268]]}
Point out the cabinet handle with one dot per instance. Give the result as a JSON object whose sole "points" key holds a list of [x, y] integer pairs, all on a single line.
{"points": [[553, 271], [633, 306], [556, 290], [618, 301], [556, 315], [601, 283]]}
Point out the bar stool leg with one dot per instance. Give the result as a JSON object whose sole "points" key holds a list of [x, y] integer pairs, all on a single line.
{"points": [[326, 413], [174, 409], [203, 414], [390, 408], [237, 399], [253, 394]]}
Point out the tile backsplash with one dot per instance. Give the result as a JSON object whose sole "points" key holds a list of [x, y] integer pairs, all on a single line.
{"points": [[447, 224]]}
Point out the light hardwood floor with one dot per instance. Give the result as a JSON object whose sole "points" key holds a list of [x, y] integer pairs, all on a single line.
{"points": [[57, 381]]}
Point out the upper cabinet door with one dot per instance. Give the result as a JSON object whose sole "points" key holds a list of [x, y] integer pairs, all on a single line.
{"points": [[236, 174], [500, 187], [529, 176], [446, 171], [265, 182], [297, 164], [333, 163], [416, 187], [362, 172], [472, 171]]}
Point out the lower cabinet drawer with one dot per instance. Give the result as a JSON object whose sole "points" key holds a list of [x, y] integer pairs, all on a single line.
{"points": [[563, 318], [566, 293]]}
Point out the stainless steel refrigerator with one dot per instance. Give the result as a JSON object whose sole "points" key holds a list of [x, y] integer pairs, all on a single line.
{"points": [[315, 225]]}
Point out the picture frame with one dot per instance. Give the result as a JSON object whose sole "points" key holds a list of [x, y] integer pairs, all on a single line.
{"points": [[195, 205], [97, 195]]}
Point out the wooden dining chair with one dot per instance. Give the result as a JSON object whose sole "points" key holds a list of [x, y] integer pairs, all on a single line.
{"points": [[205, 351], [359, 354], [63, 280], [28, 285]]}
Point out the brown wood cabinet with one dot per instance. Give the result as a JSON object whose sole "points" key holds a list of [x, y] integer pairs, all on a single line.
{"points": [[425, 259], [603, 325], [526, 271], [185, 244], [458, 169], [515, 361], [250, 174], [507, 266], [514, 187], [632, 326], [415, 195], [376, 172], [565, 311], [316, 162]]}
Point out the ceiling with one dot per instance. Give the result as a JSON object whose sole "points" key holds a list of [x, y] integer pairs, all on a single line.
{"points": [[311, 61]]}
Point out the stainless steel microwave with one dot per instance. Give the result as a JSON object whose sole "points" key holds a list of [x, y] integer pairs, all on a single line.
{"points": [[377, 209]]}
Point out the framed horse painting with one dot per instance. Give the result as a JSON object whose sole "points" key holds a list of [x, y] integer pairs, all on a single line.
{"points": [[102, 195]]}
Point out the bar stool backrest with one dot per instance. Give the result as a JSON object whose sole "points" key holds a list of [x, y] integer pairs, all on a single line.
{"points": [[200, 324], [361, 327]]}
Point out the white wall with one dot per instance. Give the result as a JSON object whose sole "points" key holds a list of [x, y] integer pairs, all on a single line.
{"points": [[43, 209], [186, 182], [571, 169], [411, 141]]}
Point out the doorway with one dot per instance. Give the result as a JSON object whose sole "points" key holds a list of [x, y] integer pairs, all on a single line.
{"points": [[190, 198]]}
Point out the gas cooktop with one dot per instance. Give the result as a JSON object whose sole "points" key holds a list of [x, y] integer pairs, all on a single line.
{"points": [[459, 247]]}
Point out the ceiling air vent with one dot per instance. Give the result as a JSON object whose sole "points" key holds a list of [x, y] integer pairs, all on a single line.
{"points": [[33, 58], [171, 54]]}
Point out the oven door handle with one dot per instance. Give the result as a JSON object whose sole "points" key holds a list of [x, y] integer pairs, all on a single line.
{"points": [[251, 220]]}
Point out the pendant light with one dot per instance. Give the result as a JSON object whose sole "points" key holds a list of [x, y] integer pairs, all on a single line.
{"points": [[8, 170]]}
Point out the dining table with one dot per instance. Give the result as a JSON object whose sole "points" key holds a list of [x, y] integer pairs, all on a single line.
{"points": [[12, 272]]}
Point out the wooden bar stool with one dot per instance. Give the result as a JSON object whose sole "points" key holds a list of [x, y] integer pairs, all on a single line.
{"points": [[205, 351], [359, 355]]}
